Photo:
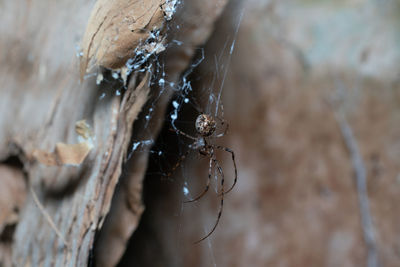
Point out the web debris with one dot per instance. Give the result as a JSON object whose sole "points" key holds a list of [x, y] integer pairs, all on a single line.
{"points": [[142, 62], [169, 8], [185, 88]]}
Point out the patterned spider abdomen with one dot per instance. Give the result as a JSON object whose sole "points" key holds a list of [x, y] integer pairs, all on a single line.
{"points": [[205, 125]]}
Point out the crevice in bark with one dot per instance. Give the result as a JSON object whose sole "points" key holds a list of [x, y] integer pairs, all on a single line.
{"points": [[161, 195], [14, 162], [156, 189]]}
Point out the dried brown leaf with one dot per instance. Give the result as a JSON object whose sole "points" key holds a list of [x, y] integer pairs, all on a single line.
{"points": [[115, 29]]}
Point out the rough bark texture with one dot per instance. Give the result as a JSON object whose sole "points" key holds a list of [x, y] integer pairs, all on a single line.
{"points": [[44, 82]]}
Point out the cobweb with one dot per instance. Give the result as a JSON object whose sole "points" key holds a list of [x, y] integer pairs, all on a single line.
{"points": [[198, 91]]}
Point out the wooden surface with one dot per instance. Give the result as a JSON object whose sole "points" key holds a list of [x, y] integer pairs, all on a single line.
{"points": [[42, 98]]}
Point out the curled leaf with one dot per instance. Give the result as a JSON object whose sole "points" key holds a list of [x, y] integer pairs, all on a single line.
{"points": [[116, 29]]}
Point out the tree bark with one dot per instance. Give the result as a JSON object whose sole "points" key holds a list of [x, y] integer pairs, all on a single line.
{"points": [[42, 99]]}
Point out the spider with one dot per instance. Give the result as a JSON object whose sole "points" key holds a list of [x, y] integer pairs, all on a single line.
{"points": [[206, 127]]}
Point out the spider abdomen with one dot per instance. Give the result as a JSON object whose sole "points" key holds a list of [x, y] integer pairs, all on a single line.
{"points": [[205, 125]]}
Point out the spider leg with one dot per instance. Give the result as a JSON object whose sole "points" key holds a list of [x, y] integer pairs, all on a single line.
{"points": [[234, 165], [175, 129], [207, 185], [222, 200]]}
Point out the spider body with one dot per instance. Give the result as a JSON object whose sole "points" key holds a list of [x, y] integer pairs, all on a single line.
{"points": [[206, 127]]}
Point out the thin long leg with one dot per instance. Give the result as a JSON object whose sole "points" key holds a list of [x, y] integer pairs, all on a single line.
{"points": [[207, 185], [175, 129], [234, 165], [222, 200]]}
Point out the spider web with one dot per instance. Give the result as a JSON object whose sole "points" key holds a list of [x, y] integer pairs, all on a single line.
{"points": [[198, 91], [204, 96]]}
